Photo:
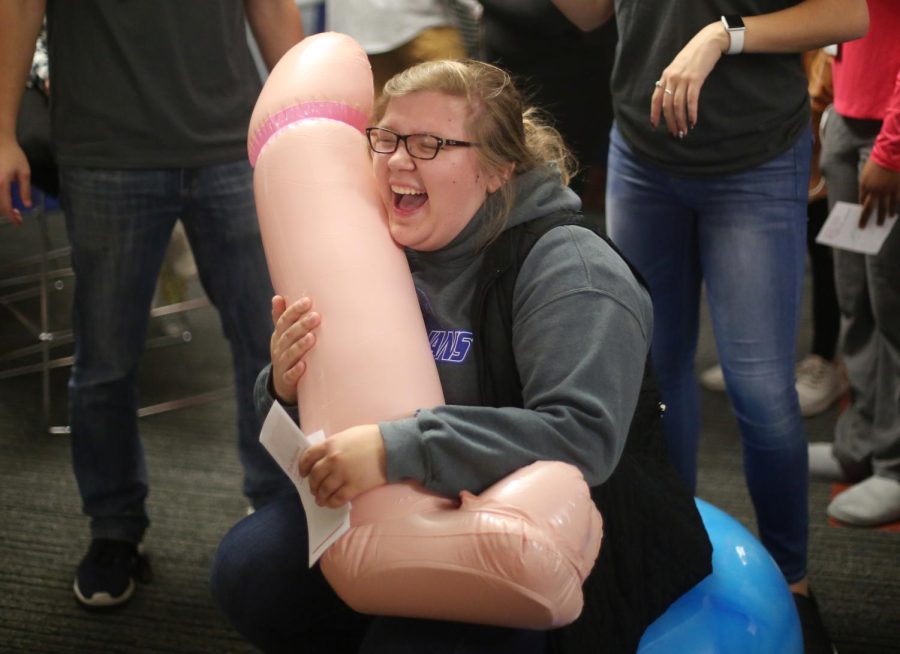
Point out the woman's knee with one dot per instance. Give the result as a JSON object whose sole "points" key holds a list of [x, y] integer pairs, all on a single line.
{"points": [[258, 554], [231, 564], [764, 399]]}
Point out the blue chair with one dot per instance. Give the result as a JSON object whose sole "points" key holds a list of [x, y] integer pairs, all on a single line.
{"points": [[743, 607]]}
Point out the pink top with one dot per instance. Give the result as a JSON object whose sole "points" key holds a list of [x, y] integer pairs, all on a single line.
{"points": [[867, 79]]}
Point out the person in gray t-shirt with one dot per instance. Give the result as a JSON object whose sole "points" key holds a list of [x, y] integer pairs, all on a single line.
{"points": [[149, 111]]}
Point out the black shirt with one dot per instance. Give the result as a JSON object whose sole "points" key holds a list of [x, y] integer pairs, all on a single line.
{"points": [[150, 83]]}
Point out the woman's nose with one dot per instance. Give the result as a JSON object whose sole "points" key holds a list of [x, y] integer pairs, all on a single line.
{"points": [[399, 159]]}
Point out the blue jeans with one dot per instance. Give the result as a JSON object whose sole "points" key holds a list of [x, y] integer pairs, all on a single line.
{"points": [[744, 236], [119, 223], [261, 581]]}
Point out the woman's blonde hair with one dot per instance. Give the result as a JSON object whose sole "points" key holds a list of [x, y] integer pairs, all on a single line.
{"points": [[506, 130]]}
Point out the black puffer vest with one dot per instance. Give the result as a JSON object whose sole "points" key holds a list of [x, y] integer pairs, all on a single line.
{"points": [[655, 547]]}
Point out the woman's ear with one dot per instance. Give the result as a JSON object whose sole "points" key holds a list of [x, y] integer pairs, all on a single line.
{"points": [[499, 177]]}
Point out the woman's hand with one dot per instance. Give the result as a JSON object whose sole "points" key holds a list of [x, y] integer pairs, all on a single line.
{"points": [[879, 189], [345, 464], [677, 93], [292, 339]]}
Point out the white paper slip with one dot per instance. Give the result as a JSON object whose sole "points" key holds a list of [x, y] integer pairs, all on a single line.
{"points": [[841, 230], [283, 439]]}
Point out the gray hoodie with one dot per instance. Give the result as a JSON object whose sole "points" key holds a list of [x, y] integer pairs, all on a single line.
{"points": [[582, 326], [581, 329]]}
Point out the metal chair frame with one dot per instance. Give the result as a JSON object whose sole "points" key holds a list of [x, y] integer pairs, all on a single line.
{"points": [[52, 271]]}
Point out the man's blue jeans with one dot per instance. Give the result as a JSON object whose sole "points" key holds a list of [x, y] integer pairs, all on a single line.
{"points": [[119, 223], [744, 236]]}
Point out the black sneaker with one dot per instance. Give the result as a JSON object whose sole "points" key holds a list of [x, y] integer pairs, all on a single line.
{"points": [[815, 638], [106, 575]]}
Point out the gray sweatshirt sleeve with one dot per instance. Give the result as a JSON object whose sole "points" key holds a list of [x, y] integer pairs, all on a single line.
{"points": [[581, 332], [264, 396]]}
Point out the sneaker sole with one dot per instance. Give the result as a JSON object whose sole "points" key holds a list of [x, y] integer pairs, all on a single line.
{"points": [[103, 600], [816, 408]]}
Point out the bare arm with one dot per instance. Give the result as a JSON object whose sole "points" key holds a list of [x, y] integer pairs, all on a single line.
{"points": [[586, 14], [809, 24], [276, 25], [20, 24]]}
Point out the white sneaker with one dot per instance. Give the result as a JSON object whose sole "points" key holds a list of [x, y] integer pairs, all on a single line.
{"points": [[712, 379], [873, 502], [823, 466], [819, 384]]}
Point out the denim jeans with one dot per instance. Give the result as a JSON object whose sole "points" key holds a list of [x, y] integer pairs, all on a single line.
{"points": [[744, 236], [261, 580], [119, 223]]}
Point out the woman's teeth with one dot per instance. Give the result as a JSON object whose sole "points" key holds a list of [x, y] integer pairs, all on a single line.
{"points": [[406, 197], [405, 190]]}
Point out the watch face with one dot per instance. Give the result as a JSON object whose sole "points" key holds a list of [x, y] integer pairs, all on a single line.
{"points": [[733, 22]]}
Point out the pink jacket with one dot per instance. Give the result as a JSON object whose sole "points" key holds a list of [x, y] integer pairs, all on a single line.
{"points": [[867, 79]]}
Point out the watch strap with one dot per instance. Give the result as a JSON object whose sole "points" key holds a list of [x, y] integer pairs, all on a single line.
{"points": [[734, 25]]}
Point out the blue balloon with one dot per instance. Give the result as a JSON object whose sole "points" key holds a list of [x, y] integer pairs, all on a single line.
{"points": [[743, 607]]}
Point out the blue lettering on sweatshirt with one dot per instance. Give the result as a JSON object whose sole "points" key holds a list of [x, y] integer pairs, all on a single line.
{"points": [[450, 345]]}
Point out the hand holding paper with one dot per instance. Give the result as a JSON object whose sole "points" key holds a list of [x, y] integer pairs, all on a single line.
{"points": [[879, 191], [346, 464], [842, 230], [286, 443]]}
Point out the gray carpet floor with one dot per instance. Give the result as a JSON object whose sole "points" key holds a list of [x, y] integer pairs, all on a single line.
{"points": [[195, 497]]}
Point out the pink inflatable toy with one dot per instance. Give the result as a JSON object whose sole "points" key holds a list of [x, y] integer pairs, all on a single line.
{"points": [[517, 554]]}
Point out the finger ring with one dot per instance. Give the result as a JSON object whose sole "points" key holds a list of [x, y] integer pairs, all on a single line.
{"points": [[681, 133], [657, 84], [668, 91]]}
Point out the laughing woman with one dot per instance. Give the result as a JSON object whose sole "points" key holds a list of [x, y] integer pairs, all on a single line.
{"points": [[463, 169]]}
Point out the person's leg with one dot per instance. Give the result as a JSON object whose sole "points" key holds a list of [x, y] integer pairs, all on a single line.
{"points": [[876, 499], [845, 146], [752, 234], [411, 636], [820, 375], [220, 221], [867, 435], [118, 224], [261, 581], [658, 235], [883, 273], [859, 349], [826, 315]]}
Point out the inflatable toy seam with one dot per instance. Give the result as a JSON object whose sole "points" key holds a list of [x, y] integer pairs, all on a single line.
{"points": [[283, 119], [483, 525], [415, 566], [374, 602]]}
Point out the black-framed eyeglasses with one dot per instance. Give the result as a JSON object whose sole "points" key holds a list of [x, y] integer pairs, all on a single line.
{"points": [[419, 146]]}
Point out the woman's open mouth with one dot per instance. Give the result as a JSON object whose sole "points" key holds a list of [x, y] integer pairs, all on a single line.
{"points": [[407, 199]]}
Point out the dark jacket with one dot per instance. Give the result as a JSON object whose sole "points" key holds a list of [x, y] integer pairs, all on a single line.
{"points": [[655, 547]]}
